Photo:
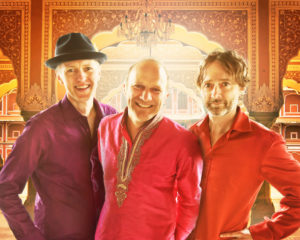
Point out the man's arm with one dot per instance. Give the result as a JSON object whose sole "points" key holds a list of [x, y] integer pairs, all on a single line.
{"points": [[18, 167], [281, 170], [188, 186], [97, 180]]}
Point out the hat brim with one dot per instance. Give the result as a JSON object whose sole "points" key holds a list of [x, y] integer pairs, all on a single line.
{"points": [[55, 61]]}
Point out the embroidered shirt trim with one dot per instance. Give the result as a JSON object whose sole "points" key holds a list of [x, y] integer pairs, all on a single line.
{"points": [[128, 160]]}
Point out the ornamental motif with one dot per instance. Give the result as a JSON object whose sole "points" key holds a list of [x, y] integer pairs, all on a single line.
{"points": [[263, 101], [10, 35], [295, 75], [88, 22], [6, 76], [34, 100], [289, 37], [226, 27]]}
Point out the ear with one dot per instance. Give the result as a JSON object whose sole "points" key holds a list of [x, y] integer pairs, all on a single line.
{"points": [[59, 79], [167, 95], [124, 86], [99, 73], [242, 90]]}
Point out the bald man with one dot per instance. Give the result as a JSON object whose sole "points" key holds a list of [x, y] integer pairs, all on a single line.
{"points": [[152, 166]]}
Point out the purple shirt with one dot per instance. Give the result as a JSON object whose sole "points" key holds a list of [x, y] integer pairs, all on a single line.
{"points": [[55, 149]]}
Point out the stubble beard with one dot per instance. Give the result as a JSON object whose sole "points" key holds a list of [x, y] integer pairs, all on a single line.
{"points": [[224, 108]]}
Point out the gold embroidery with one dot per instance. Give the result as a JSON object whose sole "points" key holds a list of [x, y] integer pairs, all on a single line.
{"points": [[125, 171]]}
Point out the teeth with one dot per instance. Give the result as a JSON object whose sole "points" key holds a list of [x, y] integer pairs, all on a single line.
{"points": [[144, 106], [82, 87]]}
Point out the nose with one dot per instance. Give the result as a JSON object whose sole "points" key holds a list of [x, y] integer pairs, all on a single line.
{"points": [[216, 91], [146, 95], [81, 74]]}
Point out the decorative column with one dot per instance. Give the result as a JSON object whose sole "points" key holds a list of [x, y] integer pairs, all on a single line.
{"points": [[263, 108]]}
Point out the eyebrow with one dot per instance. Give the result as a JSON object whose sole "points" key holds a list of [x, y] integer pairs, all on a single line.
{"points": [[84, 65], [69, 65], [222, 79]]}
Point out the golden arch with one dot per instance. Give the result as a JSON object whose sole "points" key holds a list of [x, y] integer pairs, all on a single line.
{"points": [[195, 39]]}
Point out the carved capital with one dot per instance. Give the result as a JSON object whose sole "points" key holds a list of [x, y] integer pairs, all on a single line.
{"points": [[264, 101], [35, 100]]}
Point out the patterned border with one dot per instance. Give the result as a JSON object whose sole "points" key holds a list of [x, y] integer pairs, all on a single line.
{"points": [[275, 73], [24, 67], [129, 161], [50, 5]]}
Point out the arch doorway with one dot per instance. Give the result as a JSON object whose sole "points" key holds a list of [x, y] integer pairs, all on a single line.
{"points": [[288, 122], [289, 117], [181, 56], [11, 121]]}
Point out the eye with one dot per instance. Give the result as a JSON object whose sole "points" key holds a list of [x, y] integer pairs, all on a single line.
{"points": [[226, 84], [88, 68], [70, 70], [207, 85], [138, 86], [156, 90]]}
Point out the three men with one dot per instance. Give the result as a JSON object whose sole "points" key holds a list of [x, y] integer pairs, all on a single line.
{"points": [[55, 149], [152, 166], [239, 155]]}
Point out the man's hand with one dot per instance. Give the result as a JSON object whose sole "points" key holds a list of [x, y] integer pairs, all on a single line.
{"points": [[244, 234]]}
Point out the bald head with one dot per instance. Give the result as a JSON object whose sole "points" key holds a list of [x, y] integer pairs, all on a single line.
{"points": [[150, 66]]}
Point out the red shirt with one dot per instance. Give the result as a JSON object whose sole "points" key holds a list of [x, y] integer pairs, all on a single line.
{"points": [[234, 170], [143, 178]]}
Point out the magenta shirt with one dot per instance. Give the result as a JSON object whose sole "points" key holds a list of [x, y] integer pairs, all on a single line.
{"points": [[55, 149], [152, 184]]}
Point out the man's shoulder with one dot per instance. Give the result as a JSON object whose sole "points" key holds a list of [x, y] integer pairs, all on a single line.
{"points": [[107, 109], [50, 114], [262, 131], [111, 119], [197, 124], [43, 121], [180, 138], [175, 129]]}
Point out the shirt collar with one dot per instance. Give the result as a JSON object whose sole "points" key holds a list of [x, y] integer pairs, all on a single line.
{"points": [[241, 123], [70, 112], [152, 124]]}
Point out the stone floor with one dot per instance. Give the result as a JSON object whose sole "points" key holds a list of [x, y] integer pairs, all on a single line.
{"points": [[6, 234]]}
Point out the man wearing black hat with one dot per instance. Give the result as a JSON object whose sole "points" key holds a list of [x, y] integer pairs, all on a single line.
{"points": [[55, 150]]}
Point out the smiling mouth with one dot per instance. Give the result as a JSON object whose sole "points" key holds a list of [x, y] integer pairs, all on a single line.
{"points": [[83, 87], [143, 105], [217, 103]]}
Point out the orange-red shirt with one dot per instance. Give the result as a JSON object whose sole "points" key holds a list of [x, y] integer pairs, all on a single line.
{"points": [[234, 169]]}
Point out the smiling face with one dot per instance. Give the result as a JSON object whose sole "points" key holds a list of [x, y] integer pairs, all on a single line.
{"points": [[146, 91], [80, 78], [219, 90]]}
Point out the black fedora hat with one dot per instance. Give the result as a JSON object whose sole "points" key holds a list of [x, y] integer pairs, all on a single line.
{"points": [[74, 46]]}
